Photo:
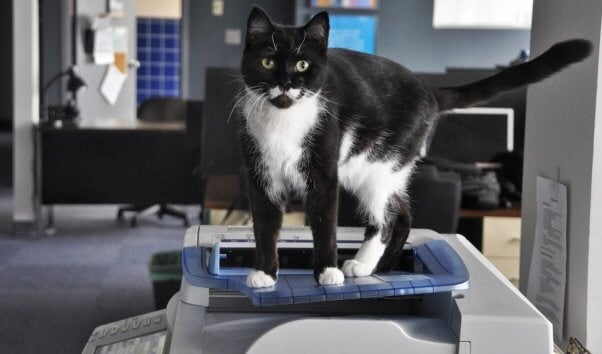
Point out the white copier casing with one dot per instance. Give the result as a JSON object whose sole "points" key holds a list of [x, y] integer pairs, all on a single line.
{"points": [[491, 316]]}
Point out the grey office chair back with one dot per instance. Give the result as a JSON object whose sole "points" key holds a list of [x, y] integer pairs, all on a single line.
{"points": [[435, 198]]}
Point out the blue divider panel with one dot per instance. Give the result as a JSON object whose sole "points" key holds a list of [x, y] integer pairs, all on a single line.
{"points": [[442, 270]]}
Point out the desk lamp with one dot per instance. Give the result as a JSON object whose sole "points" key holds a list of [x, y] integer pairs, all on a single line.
{"points": [[70, 112]]}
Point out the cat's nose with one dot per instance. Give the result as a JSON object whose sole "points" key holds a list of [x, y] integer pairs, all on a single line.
{"points": [[285, 85]]}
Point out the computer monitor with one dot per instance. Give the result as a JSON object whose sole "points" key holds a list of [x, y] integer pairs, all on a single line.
{"points": [[356, 32], [221, 154], [472, 134]]}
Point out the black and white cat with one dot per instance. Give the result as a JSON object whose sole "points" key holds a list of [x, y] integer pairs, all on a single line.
{"points": [[314, 119]]}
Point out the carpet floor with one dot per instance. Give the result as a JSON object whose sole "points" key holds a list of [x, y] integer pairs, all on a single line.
{"points": [[54, 290]]}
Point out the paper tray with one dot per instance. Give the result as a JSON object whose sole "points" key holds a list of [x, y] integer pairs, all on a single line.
{"points": [[443, 270]]}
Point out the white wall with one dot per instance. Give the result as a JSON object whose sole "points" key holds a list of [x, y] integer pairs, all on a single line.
{"points": [[560, 135], [594, 271], [91, 103], [26, 105]]}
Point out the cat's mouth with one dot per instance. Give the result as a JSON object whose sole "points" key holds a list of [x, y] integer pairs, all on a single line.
{"points": [[282, 101]]}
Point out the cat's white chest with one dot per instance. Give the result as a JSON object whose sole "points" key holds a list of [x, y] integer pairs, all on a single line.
{"points": [[280, 135]]}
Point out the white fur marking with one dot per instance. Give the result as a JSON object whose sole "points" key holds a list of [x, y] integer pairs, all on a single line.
{"points": [[280, 134], [346, 145], [366, 258], [291, 93], [275, 92], [258, 279], [373, 183], [352, 268], [331, 276]]}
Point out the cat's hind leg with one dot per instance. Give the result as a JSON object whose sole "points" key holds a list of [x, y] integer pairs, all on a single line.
{"points": [[399, 225], [367, 257], [379, 188], [376, 236], [382, 245]]}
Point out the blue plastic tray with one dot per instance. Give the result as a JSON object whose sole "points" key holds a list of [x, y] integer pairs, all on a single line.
{"points": [[442, 270]]}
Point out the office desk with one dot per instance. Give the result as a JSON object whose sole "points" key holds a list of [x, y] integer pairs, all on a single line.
{"points": [[514, 211], [222, 191], [116, 162]]}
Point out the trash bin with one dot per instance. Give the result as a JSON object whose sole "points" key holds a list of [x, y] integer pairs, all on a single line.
{"points": [[166, 274]]}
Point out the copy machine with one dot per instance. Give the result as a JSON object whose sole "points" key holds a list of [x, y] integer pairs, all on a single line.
{"points": [[446, 297]]}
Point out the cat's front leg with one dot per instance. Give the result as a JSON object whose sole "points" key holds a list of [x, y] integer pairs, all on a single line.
{"points": [[267, 221], [321, 208]]}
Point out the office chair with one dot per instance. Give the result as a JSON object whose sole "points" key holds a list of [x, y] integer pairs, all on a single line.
{"points": [[435, 198], [163, 109]]}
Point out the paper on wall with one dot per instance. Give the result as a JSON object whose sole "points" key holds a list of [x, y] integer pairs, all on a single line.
{"points": [[103, 52], [547, 274], [232, 36], [112, 84], [120, 46], [116, 8], [217, 8], [120, 39]]}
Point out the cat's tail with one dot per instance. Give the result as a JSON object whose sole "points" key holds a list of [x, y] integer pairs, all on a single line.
{"points": [[559, 56]]}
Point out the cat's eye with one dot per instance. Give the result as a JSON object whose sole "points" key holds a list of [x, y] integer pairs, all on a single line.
{"points": [[268, 64], [302, 65]]}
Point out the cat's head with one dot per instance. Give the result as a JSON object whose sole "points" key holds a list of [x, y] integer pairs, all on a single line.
{"points": [[286, 64]]}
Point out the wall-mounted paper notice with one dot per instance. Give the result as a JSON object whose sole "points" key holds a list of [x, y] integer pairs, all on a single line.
{"points": [[232, 36], [120, 39], [103, 52], [116, 8], [112, 83], [120, 45], [547, 275]]}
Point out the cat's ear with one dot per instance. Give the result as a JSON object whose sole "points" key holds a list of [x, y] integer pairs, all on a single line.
{"points": [[259, 23], [318, 27]]}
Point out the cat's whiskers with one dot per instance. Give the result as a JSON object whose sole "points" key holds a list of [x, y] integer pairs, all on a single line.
{"points": [[236, 105], [242, 96], [251, 108], [329, 111], [303, 41], [323, 97], [237, 78], [274, 42], [258, 103], [323, 103], [265, 98]]}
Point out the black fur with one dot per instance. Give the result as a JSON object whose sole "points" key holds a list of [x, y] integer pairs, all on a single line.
{"points": [[390, 108]]}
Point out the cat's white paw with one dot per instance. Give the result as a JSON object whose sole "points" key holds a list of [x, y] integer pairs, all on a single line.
{"points": [[258, 279], [331, 276], [354, 268]]}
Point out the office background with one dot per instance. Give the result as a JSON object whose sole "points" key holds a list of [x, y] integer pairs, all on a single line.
{"points": [[405, 34]]}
